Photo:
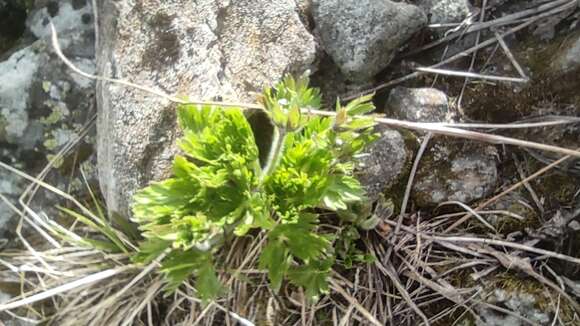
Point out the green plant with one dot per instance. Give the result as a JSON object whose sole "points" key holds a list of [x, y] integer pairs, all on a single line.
{"points": [[219, 189]]}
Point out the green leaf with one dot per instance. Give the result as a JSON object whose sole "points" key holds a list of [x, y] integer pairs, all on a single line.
{"points": [[369, 223], [195, 118], [333, 202], [106, 246], [313, 277], [341, 191], [257, 215], [361, 105], [104, 228], [180, 265], [294, 118], [300, 239], [150, 249], [284, 101], [207, 283], [297, 92], [275, 258], [360, 123], [278, 116], [162, 199], [341, 117]]}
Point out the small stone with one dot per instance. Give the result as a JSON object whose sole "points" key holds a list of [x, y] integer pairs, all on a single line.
{"points": [[568, 58], [362, 36], [520, 302], [62, 14], [418, 105], [574, 226], [455, 170], [516, 203], [383, 165], [446, 11]]}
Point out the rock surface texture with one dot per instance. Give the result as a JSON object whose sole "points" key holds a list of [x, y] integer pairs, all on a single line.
{"points": [[455, 171], [520, 302], [569, 56], [384, 164], [446, 11], [43, 104], [418, 104], [362, 36], [206, 49]]}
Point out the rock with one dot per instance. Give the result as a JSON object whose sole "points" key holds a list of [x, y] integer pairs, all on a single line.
{"points": [[455, 170], [418, 105], [515, 203], [10, 187], [568, 58], [305, 12], [71, 18], [384, 164], [43, 104], [525, 300], [362, 36], [446, 11], [329, 71], [521, 303], [210, 50]]}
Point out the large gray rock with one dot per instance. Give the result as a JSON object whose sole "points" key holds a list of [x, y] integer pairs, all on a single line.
{"points": [[43, 104], [418, 105], [455, 170], [362, 36], [208, 49]]}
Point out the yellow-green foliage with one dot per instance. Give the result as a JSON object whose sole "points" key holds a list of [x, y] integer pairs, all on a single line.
{"points": [[220, 189]]}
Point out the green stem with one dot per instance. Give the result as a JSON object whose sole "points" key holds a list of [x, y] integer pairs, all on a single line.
{"points": [[275, 153]]}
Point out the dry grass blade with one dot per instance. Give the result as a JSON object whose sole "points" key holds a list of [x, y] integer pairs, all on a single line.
{"points": [[470, 210], [64, 288], [370, 318], [540, 11], [467, 74]]}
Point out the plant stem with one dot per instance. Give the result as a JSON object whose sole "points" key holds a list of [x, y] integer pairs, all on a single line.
{"points": [[275, 153]]}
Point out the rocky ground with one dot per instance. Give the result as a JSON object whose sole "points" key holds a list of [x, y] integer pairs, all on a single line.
{"points": [[523, 64]]}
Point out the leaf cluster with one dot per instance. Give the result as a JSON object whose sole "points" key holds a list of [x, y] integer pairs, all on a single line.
{"points": [[219, 189]]}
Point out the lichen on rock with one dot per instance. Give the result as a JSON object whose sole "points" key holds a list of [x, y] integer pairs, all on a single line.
{"points": [[43, 104], [16, 78], [455, 170]]}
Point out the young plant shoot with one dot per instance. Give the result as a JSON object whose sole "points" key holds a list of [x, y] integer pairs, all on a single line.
{"points": [[219, 190]]}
